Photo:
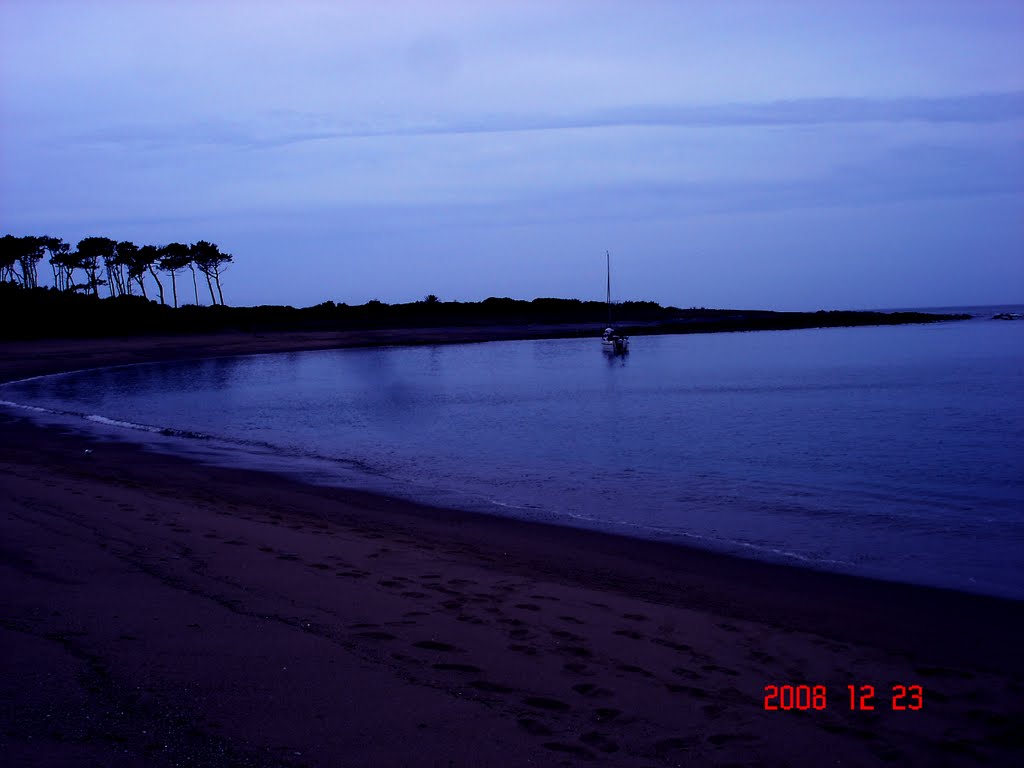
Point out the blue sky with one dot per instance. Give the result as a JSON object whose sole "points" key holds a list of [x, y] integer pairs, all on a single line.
{"points": [[789, 155]]}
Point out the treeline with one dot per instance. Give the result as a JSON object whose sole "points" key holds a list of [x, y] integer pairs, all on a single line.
{"points": [[49, 313], [124, 268]]}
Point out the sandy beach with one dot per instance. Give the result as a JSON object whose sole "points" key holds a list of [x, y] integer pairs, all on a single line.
{"points": [[159, 612]]}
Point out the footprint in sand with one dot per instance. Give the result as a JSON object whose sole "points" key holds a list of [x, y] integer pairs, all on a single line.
{"points": [[529, 650], [572, 749], [631, 634], [578, 651], [723, 670], [376, 635], [562, 634], [665, 746], [712, 711], [590, 690], [489, 687], [440, 588], [599, 741], [353, 574], [943, 672], [633, 669], [544, 702], [434, 645], [606, 714], [689, 674], [719, 739], [689, 690], [533, 727], [682, 647]]}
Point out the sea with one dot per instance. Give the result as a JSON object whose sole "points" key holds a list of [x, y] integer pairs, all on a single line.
{"points": [[893, 452]]}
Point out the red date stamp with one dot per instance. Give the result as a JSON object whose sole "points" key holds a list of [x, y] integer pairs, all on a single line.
{"points": [[857, 698]]}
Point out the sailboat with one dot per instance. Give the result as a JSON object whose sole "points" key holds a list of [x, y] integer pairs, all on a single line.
{"points": [[612, 342]]}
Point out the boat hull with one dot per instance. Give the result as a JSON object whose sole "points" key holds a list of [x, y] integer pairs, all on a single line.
{"points": [[615, 346]]}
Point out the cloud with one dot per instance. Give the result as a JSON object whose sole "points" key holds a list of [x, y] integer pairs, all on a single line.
{"points": [[283, 128], [913, 173]]}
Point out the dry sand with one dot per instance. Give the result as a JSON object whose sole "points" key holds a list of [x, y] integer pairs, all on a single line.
{"points": [[158, 612]]}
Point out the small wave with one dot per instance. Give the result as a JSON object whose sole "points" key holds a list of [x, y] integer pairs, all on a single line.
{"points": [[95, 417], [661, 533], [106, 421], [36, 408], [258, 446]]}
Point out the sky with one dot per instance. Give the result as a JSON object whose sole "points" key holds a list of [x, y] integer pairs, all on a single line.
{"points": [[771, 154]]}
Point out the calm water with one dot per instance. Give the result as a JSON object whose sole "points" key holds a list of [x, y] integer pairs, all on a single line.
{"points": [[895, 452]]}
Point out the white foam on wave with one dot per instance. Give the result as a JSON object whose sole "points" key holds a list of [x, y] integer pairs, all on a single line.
{"points": [[717, 542], [95, 417], [36, 408]]}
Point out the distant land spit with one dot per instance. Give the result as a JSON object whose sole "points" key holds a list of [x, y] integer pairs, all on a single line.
{"points": [[40, 313]]}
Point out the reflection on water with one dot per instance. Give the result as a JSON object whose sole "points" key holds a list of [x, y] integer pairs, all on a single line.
{"points": [[890, 451]]}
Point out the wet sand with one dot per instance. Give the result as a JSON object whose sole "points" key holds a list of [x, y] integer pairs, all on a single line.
{"points": [[159, 612]]}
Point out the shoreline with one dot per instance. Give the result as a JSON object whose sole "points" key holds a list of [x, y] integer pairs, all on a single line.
{"points": [[58, 356], [467, 624], [51, 355]]}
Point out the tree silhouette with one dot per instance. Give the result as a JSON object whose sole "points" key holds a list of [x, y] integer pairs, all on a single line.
{"points": [[192, 267], [10, 248], [92, 251], [211, 261], [19, 259], [203, 253], [31, 255], [119, 265], [115, 272], [174, 257], [149, 259], [135, 270], [60, 261]]}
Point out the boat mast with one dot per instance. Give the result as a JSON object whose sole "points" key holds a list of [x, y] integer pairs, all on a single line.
{"points": [[608, 295]]}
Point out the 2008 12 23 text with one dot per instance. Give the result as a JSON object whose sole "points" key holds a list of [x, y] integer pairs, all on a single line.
{"points": [[858, 698]]}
